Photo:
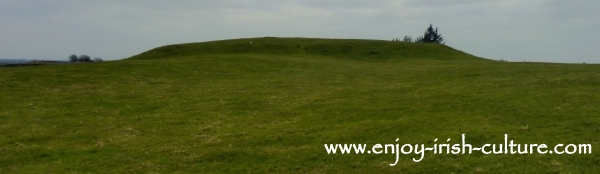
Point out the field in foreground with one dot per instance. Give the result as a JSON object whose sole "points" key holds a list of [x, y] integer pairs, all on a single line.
{"points": [[270, 106]]}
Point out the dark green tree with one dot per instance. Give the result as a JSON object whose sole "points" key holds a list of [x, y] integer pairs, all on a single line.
{"points": [[431, 36], [85, 58], [407, 39], [73, 58]]}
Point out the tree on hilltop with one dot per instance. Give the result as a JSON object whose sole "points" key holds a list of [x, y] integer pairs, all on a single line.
{"points": [[430, 36], [407, 39]]}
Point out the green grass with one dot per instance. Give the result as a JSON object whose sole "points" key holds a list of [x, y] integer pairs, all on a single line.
{"points": [[231, 107], [362, 50]]}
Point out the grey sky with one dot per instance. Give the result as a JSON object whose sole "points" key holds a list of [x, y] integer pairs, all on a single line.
{"points": [[525, 30]]}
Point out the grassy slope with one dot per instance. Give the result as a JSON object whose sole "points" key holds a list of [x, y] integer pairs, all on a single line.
{"points": [[270, 110], [371, 50]]}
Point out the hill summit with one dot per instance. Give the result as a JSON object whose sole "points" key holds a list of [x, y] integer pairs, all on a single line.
{"points": [[342, 48]]}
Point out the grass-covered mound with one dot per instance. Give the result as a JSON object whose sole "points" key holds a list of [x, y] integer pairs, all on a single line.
{"points": [[269, 111], [373, 50]]}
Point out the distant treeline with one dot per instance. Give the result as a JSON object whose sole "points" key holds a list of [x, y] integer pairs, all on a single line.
{"points": [[83, 58]]}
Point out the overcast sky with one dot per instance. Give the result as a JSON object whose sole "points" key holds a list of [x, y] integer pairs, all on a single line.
{"points": [[515, 30]]}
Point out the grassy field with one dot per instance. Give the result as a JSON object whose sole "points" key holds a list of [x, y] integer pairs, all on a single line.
{"points": [[270, 106]]}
